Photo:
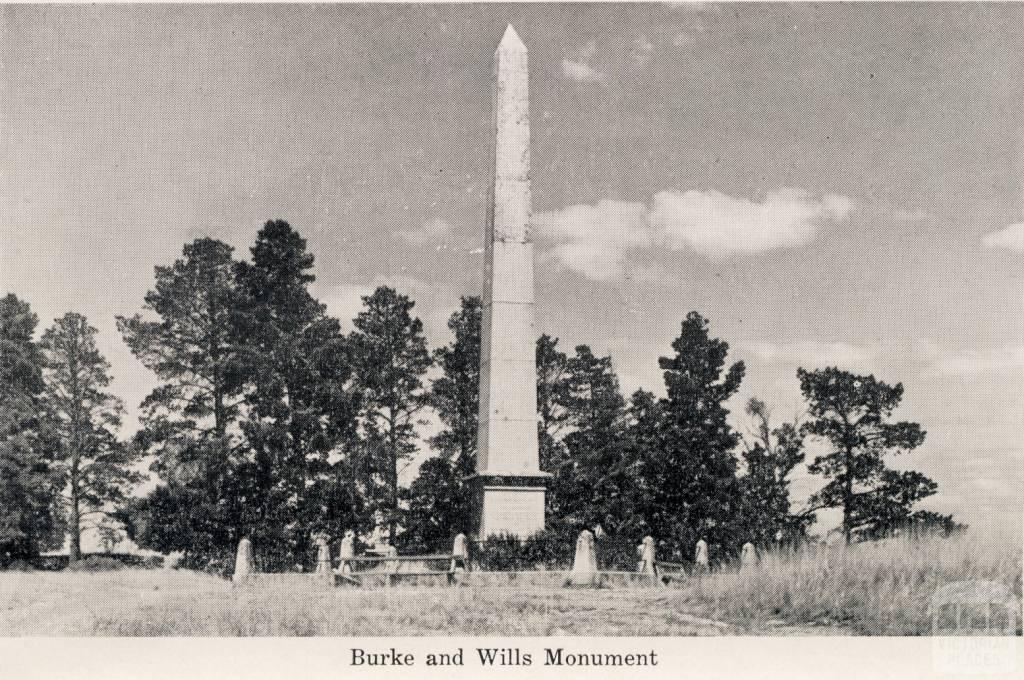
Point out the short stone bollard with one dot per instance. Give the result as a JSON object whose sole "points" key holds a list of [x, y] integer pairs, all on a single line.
{"points": [[460, 554], [584, 565], [323, 556], [347, 552], [748, 557], [390, 551], [647, 557], [243, 562], [701, 565]]}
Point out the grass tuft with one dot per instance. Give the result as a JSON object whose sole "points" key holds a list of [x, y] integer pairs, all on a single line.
{"points": [[881, 588]]}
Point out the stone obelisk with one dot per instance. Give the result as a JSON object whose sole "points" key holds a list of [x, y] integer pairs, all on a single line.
{"points": [[509, 483]]}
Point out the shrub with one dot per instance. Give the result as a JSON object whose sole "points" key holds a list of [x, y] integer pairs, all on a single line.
{"points": [[130, 560], [551, 549], [96, 563], [498, 553], [218, 564], [616, 554]]}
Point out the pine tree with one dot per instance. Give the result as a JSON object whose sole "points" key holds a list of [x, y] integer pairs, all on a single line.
{"points": [[438, 507], [28, 484], [644, 440], [190, 422], [391, 358], [851, 414], [455, 396], [82, 419], [592, 487], [299, 405], [439, 498], [552, 395], [692, 474]]}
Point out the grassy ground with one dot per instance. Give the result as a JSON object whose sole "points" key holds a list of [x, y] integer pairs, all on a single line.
{"points": [[148, 603], [871, 588], [880, 590]]}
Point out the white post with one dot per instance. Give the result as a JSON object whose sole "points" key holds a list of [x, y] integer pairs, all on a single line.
{"points": [[243, 562]]}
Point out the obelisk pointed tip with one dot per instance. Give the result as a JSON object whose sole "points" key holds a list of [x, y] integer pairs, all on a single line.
{"points": [[510, 42]]}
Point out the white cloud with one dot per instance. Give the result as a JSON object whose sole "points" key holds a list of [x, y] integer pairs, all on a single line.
{"points": [[344, 302], [715, 224], [814, 354], [581, 72], [968, 362], [596, 239], [1011, 238], [578, 67], [696, 6]]}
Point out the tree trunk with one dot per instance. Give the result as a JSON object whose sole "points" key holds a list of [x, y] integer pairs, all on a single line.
{"points": [[75, 549], [847, 499], [393, 515]]}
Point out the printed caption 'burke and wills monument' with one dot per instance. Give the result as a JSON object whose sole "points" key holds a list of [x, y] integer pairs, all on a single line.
{"points": [[510, 485]]}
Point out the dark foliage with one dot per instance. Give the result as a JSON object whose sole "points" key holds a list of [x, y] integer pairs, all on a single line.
{"points": [[190, 422], [96, 563], [851, 413], [768, 520], [390, 359], [298, 402], [437, 508], [81, 420], [29, 484], [687, 459], [438, 501], [544, 550]]}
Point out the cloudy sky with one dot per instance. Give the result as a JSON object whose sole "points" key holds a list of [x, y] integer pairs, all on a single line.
{"points": [[830, 185]]}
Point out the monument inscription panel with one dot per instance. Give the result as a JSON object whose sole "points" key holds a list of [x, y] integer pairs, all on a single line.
{"points": [[513, 510]]}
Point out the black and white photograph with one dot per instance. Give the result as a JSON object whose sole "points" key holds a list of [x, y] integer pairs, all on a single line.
{"points": [[544, 320]]}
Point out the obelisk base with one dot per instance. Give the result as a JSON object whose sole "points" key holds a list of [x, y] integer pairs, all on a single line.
{"points": [[508, 504]]}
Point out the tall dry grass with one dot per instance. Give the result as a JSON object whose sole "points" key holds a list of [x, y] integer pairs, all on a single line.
{"points": [[881, 588]]}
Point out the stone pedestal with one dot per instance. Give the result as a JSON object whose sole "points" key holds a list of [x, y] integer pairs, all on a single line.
{"points": [[647, 557], [700, 558], [508, 504], [323, 556], [460, 554], [243, 562], [584, 564], [748, 557]]}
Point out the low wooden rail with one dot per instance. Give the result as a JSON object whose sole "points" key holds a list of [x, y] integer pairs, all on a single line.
{"points": [[399, 558], [391, 576], [669, 571]]}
